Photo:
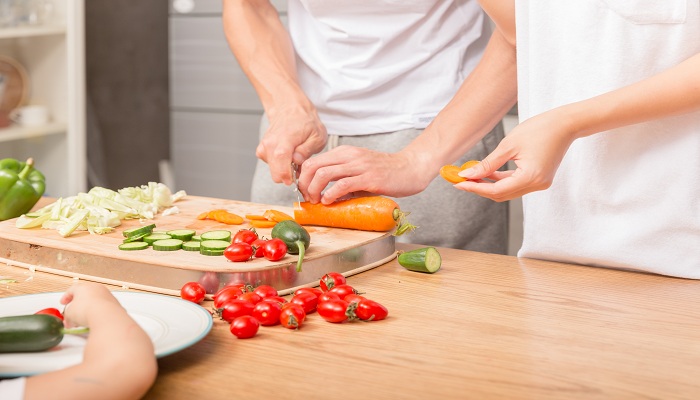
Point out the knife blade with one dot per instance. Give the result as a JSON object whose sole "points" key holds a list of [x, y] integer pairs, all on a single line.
{"points": [[295, 181]]}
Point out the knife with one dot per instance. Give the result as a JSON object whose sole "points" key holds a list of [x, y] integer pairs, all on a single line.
{"points": [[295, 181]]}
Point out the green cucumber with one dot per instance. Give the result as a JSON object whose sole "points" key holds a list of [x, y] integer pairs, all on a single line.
{"points": [[30, 333], [167, 244], [156, 236], [197, 238], [183, 234], [426, 259], [192, 245], [294, 236], [217, 235], [213, 247], [138, 231], [133, 246], [135, 238]]}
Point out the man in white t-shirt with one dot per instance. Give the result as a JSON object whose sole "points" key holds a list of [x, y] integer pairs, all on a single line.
{"points": [[608, 147], [369, 74]]}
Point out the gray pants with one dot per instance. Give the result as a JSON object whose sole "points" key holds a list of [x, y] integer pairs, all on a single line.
{"points": [[445, 216]]}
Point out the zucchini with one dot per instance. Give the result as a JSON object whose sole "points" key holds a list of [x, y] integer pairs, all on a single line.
{"points": [[197, 238], [213, 247], [294, 236], [25, 333], [183, 234], [192, 245], [135, 238], [133, 246], [155, 236], [138, 231], [167, 244], [217, 235], [426, 259]]}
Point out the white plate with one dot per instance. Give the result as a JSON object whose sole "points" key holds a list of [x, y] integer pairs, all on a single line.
{"points": [[173, 324]]}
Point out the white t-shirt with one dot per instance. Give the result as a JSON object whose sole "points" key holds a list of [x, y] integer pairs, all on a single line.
{"points": [[12, 389], [626, 198], [373, 66]]}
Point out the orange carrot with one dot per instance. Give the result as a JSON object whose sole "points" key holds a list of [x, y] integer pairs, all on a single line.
{"points": [[262, 224], [230, 218], [203, 215], [255, 217], [374, 213], [277, 216]]}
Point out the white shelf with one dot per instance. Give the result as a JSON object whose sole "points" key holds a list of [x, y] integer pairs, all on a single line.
{"points": [[18, 133], [29, 31]]}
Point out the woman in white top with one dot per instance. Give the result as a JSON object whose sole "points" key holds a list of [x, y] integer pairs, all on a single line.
{"points": [[608, 148]]}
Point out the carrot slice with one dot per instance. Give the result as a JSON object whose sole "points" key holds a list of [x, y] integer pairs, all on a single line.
{"points": [[230, 218], [262, 224], [255, 217], [203, 215], [277, 216], [449, 173]]}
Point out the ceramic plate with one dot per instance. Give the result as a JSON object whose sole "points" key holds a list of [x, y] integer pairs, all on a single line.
{"points": [[172, 323]]}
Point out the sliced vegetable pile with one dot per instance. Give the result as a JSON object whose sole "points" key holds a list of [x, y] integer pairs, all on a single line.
{"points": [[100, 210], [246, 308]]}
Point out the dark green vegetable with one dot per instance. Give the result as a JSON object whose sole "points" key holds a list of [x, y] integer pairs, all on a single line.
{"points": [[26, 333], [294, 236], [426, 259]]}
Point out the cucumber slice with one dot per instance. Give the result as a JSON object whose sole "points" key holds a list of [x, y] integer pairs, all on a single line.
{"points": [[139, 230], [426, 259], [133, 246], [213, 247], [192, 245], [167, 244], [197, 238], [217, 235], [155, 236], [136, 238], [183, 234]]}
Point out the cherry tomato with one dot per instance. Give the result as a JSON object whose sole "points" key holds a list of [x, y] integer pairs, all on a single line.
{"points": [[258, 246], [307, 301], [328, 296], [331, 280], [317, 292], [353, 298], [251, 297], [267, 313], [51, 311], [333, 310], [193, 291], [210, 281], [235, 308], [278, 299], [244, 327], [226, 294], [274, 249], [238, 252], [370, 310], [265, 291], [292, 316], [343, 290], [245, 236]]}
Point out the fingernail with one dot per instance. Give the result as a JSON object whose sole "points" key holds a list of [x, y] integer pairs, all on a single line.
{"points": [[467, 173]]}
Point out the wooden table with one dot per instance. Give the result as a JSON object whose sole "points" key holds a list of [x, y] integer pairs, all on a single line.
{"points": [[484, 326]]}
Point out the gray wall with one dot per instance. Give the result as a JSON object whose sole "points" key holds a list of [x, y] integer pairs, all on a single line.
{"points": [[127, 90]]}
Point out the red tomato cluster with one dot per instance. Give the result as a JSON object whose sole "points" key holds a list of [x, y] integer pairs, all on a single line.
{"points": [[247, 244]]}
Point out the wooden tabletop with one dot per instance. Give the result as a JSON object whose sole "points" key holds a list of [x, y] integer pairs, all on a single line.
{"points": [[484, 326]]}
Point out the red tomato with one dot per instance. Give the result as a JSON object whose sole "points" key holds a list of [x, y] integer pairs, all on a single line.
{"points": [[331, 280], [328, 296], [307, 301], [258, 246], [274, 249], [353, 298], [226, 294], [193, 291], [333, 310], [251, 297], [245, 236], [51, 311], [292, 316], [238, 252], [210, 281], [278, 299], [235, 308], [343, 290], [265, 291], [370, 310], [244, 327], [267, 313], [317, 292]]}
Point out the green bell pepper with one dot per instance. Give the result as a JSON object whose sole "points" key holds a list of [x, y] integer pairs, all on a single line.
{"points": [[21, 186]]}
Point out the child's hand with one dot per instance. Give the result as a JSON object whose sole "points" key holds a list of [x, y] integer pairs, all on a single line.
{"points": [[83, 299]]}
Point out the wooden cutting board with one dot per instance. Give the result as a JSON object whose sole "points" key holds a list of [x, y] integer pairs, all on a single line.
{"points": [[97, 257]]}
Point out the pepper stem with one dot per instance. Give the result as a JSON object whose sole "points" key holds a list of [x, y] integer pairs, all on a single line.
{"points": [[27, 169], [302, 250]]}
